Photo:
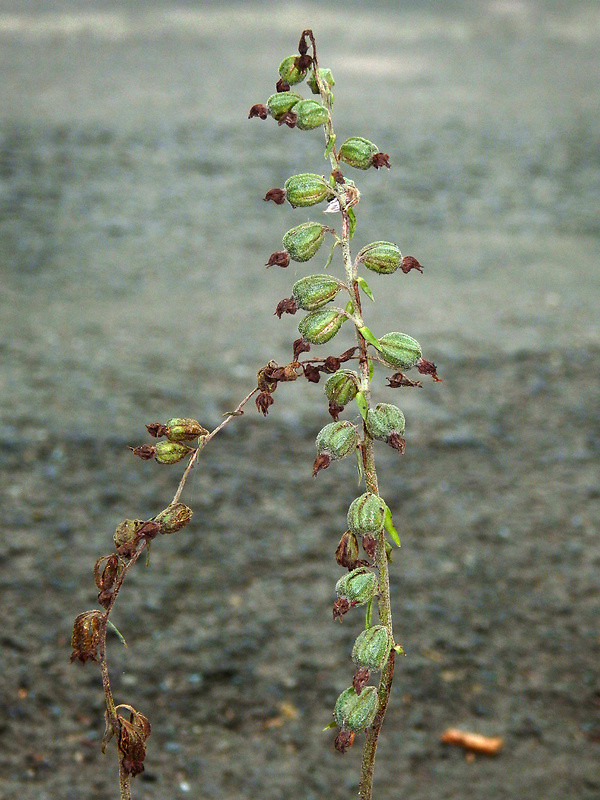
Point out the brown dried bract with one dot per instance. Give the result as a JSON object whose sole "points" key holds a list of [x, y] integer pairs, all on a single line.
{"points": [[344, 740], [340, 607], [427, 368], [86, 636], [258, 110], [408, 263], [369, 544], [157, 429], [311, 373], [322, 461], [330, 365], [397, 442], [286, 306], [380, 160], [338, 176], [276, 195], [300, 346], [263, 402], [360, 680], [475, 742], [335, 410], [144, 451], [399, 379], [278, 259], [282, 86], [289, 118], [348, 354]]}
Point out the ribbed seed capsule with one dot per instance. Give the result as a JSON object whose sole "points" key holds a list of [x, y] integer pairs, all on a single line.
{"points": [[303, 241], [381, 257], [289, 72], [366, 514], [171, 452], [358, 586], [173, 518], [180, 429], [310, 115], [127, 531], [315, 291], [342, 386], [306, 189], [326, 77], [338, 439], [399, 350], [358, 152], [384, 420], [282, 102], [355, 712], [372, 648], [320, 326]]}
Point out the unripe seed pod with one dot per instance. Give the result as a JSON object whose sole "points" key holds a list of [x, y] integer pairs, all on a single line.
{"points": [[310, 115], [126, 532], [338, 439], [86, 636], [372, 648], [289, 72], [282, 102], [306, 189], [358, 152], [384, 420], [180, 429], [358, 586], [366, 514], [342, 386], [355, 712], [173, 518], [303, 241], [326, 78], [399, 350], [320, 326], [315, 291], [381, 257], [171, 452]]}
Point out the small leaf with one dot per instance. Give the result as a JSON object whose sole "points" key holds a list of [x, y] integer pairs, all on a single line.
{"points": [[119, 634], [359, 465], [371, 369], [328, 262], [330, 726], [389, 526], [350, 307], [369, 617], [330, 144], [352, 218], [361, 402], [365, 287], [369, 336]]}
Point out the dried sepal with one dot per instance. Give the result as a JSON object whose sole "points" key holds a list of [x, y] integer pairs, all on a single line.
{"points": [[86, 635], [347, 551], [132, 740], [106, 578]]}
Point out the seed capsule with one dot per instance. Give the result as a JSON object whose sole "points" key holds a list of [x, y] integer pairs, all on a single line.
{"points": [[171, 452], [342, 386], [355, 712], [320, 326], [306, 189], [180, 429], [86, 636], [326, 78], [384, 420], [303, 241], [310, 115], [289, 72], [127, 533], [366, 514], [338, 439], [315, 291], [381, 257], [347, 551], [399, 350], [282, 102], [173, 518], [372, 648], [358, 152], [358, 586]]}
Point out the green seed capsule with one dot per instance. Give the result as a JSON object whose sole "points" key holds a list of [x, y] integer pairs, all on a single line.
{"points": [[342, 386], [171, 452], [381, 257], [173, 518], [183, 430], [289, 72], [326, 77], [126, 532], [310, 115], [338, 439], [399, 350], [303, 241], [358, 152], [372, 648], [366, 514], [315, 291], [320, 326], [282, 102], [383, 420], [359, 586], [306, 189], [355, 712]]}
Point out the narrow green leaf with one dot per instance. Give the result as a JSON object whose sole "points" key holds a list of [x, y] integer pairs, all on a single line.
{"points": [[349, 307], [365, 287], [371, 369], [328, 262], [369, 617], [359, 465], [330, 726], [369, 336], [361, 402], [352, 218], [389, 526], [330, 144], [119, 634]]}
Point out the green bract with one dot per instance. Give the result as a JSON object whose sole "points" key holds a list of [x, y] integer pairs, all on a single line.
{"points": [[338, 439], [282, 102], [366, 514], [355, 712], [342, 386], [315, 291], [358, 152], [326, 77], [383, 420], [381, 257], [319, 327], [359, 586], [372, 648], [303, 241], [399, 350], [289, 72], [306, 189], [310, 114]]}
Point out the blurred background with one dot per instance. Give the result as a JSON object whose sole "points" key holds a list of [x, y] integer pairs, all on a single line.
{"points": [[133, 238]]}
